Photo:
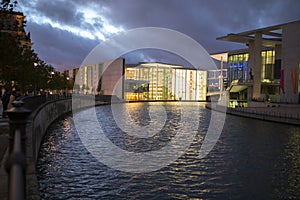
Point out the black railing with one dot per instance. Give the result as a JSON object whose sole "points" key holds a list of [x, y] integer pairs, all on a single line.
{"points": [[33, 102], [17, 162], [16, 169], [18, 115]]}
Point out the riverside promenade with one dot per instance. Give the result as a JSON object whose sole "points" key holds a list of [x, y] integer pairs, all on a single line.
{"points": [[274, 112]]}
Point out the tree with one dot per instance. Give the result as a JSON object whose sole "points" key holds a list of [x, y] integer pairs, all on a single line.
{"points": [[20, 66], [8, 5], [10, 58]]}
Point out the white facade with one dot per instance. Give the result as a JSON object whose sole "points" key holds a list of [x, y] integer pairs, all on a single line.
{"points": [[100, 78]]}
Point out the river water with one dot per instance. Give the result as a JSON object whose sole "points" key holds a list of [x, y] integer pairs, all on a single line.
{"points": [[252, 159]]}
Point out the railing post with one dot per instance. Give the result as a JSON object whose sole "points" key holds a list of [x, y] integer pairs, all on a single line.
{"points": [[16, 162]]}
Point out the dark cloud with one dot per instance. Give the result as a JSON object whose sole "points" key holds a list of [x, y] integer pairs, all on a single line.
{"points": [[60, 11], [60, 48], [202, 20]]}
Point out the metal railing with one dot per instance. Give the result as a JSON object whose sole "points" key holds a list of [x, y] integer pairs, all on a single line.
{"points": [[17, 162], [33, 102], [18, 115]]}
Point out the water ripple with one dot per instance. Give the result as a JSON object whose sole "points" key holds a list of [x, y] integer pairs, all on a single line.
{"points": [[251, 160]]}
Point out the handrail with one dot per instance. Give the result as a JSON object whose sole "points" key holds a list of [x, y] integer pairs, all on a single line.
{"points": [[17, 170], [18, 115], [16, 162]]}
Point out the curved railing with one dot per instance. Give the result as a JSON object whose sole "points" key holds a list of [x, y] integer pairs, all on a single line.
{"points": [[29, 120], [16, 161]]}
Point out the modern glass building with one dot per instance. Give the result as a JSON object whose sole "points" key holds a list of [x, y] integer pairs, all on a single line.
{"points": [[159, 81], [240, 77], [238, 66], [269, 69]]}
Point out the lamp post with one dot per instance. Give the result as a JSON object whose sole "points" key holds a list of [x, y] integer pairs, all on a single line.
{"points": [[67, 85], [35, 84], [52, 73], [221, 79]]}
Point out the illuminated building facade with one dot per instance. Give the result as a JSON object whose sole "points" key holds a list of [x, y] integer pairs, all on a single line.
{"points": [[140, 82], [238, 66], [269, 69], [99, 78], [158, 81]]}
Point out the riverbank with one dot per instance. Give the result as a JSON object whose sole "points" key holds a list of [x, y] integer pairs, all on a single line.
{"points": [[37, 125], [280, 113]]}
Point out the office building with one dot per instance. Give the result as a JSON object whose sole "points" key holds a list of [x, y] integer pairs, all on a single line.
{"points": [[268, 70], [160, 81]]}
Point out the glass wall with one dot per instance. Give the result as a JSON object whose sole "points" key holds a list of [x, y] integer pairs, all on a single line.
{"points": [[268, 62], [214, 80], [238, 66], [155, 81]]}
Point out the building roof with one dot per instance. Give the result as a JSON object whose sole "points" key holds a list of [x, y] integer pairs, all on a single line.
{"points": [[220, 56], [271, 35], [154, 64]]}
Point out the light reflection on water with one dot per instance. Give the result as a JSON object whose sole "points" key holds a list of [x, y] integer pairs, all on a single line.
{"points": [[252, 160]]}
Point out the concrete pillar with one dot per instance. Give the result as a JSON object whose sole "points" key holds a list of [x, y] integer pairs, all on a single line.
{"points": [[257, 65], [290, 58], [277, 66], [254, 63], [278, 51], [249, 93], [250, 66]]}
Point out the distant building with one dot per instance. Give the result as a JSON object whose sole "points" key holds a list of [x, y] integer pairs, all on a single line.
{"points": [[99, 78], [160, 81], [150, 81], [269, 68]]}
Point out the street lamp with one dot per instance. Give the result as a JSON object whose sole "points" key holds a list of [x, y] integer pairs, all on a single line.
{"points": [[51, 82], [221, 79], [67, 85], [35, 84]]}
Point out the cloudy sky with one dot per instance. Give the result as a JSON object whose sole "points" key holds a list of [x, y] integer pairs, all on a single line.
{"points": [[64, 32]]}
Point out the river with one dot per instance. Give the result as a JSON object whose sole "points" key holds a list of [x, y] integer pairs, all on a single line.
{"points": [[252, 159]]}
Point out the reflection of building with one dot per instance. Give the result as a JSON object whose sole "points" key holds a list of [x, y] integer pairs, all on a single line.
{"points": [[269, 68], [158, 81]]}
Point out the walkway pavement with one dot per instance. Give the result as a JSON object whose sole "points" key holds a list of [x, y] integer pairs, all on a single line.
{"points": [[4, 129], [282, 113]]}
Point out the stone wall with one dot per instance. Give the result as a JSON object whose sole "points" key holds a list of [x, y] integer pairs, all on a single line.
{"points": [[37, 125]]}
